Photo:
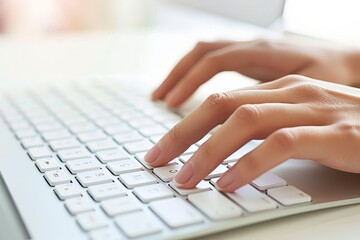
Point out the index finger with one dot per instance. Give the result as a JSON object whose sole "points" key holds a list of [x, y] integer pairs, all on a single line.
{"points": [[185, 64]]}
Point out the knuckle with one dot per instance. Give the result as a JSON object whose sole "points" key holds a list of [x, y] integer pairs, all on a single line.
{"points": [[175, 134], [284, 138], [263, 43], [248, 113], [207, 151], [291, 79], [202, 46], [217, 101], [212, 60], [250, 167], [309, 91], [350, 130]]}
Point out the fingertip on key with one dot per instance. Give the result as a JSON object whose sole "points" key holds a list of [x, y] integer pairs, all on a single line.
{"points": [[152, 154]]}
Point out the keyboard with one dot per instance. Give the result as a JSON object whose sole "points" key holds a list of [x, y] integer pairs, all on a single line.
{"points": [[88, 144]]}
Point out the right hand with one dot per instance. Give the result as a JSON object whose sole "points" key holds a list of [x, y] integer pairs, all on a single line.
{"points": [[298, 117], [264, 60]]}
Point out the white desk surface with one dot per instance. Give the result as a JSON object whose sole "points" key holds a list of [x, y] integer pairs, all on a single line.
{"points": [[81, 55]]}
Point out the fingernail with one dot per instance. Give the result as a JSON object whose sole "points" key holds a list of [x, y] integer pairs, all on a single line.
{"points": [[152, 154], [225, 180], [186, 172], [176, 184]]}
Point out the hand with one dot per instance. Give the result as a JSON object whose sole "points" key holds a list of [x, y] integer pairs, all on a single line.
{"points": [[264, 60], [297, 116]]}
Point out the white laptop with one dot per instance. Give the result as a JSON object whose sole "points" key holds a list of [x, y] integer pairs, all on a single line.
{"points": [[71, 162]]}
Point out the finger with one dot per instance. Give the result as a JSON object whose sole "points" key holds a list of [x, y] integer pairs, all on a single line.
{"points": [[204, 69], [185, 64], [257, 59], [248, 122], [305, 142], [214, 111]]}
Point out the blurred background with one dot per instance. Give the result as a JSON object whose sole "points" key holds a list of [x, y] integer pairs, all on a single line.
{"points": [[42, 39], [331, 19]]}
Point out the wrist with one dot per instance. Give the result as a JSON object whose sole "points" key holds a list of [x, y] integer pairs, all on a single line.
{"points": [[353, 63]]}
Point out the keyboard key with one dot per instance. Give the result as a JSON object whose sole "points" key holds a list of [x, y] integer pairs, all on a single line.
{"points": [[131, 114], [201, 187], [128, 137], [139, 146], [289, 195], [141, 122], [57, 177], [138, 224], [165, 116], [68, 190], [176, 212], [153, 130], [25, 133], [39, 152], [101, 145], [91, 220], [191, 149], [153, 192], [78, 205], [217, 172], [73, 119], [215, 205], [91, 136], [96, 112], [124, 166], [48, 126], [167, 173], [169, 124], [82, 127], [112, 155], [136, 179], [61, 144], [241, 152], [104, 234], [156, 113], [32, 142], [19, 125], [47, 164], [184, 158], [106, 191], [121, 205], [90, 178], [156, 138], [41, 119], [109, 121], [118, 128], [55, 135], [72, 154], [252, 200], [83, 165], [268, 180]]}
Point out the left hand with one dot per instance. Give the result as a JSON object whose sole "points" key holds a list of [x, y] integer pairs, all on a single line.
{"points": [[297, 116]]}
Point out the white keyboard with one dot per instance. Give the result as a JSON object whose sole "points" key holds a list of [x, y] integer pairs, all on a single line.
{"points": [[89, 144]]}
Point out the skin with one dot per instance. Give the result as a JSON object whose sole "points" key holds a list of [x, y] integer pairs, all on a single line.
{"points": [[297, 116]]}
